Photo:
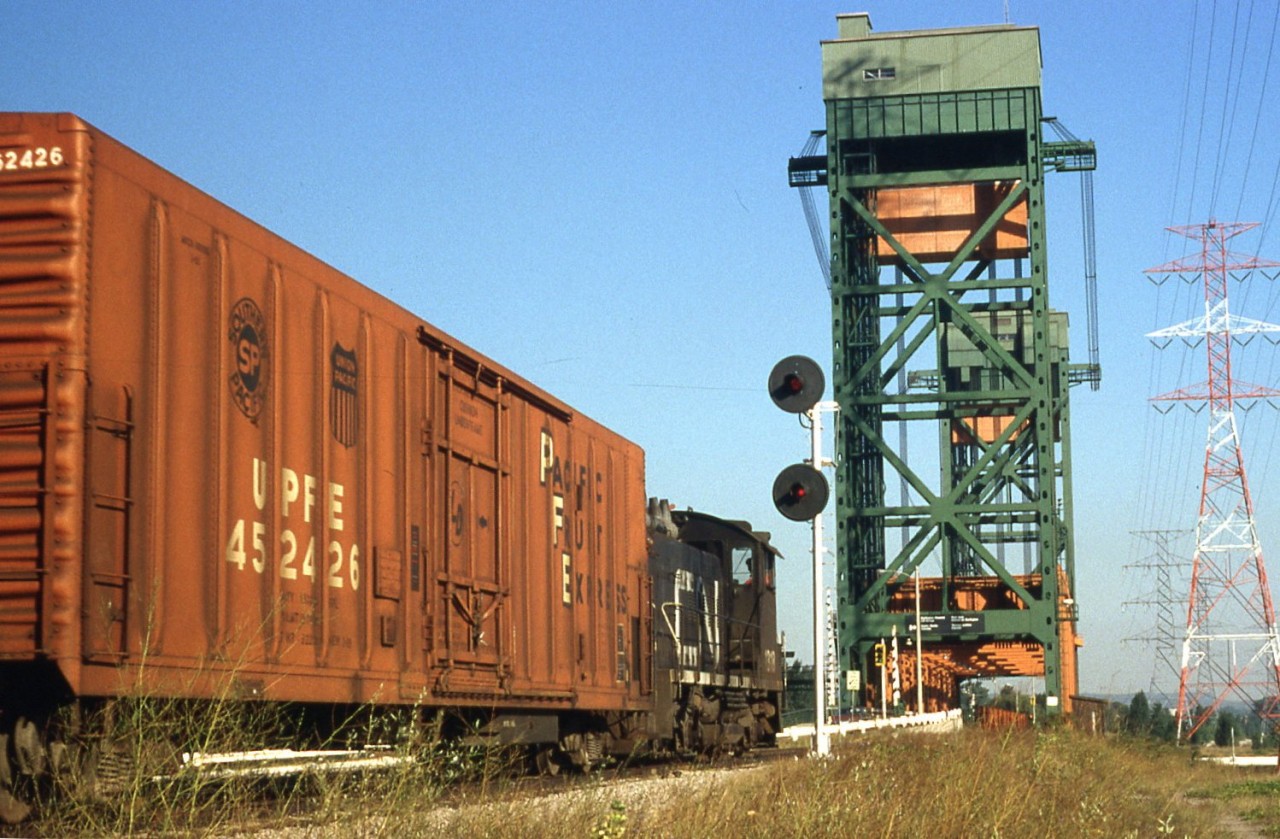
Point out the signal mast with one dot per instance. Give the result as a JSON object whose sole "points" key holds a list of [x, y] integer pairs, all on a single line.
{"points": [[800, 493]]}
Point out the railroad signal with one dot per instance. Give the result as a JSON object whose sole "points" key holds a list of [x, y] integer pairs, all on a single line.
{"points": [[796, 384], [800, 492]]}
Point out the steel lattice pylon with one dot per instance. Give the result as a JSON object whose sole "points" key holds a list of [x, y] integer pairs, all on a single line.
{"points": [[1165, 563], [1231, 647]]}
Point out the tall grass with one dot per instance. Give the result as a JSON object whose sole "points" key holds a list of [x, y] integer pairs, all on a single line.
{"points": [[1047, 783], [130, 773], [1051, 782], [144, 785]]}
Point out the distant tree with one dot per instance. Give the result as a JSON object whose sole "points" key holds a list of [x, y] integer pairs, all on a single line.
{"points": [[1163, 725], [1138, 721], [1224, 731], [798, 701], [973, 695], [1262, 730], [1115, 716], [1266, 739], [1007, 698], [1202, 733]]}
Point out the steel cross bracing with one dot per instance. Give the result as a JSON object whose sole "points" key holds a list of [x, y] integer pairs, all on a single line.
{"points": [[1231, 646], [968, 510]]}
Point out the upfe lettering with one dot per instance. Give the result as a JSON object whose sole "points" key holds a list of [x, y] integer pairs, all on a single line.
{"points": [[295, 490]]}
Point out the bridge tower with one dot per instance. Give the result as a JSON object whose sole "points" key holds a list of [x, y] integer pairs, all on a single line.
{"points": [[949, 364]]}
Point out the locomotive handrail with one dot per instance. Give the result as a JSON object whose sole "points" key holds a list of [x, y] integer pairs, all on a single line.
{"points": [[701, 612], [662, 607], [729, 621]]}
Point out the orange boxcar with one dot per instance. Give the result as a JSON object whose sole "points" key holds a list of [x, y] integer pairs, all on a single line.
{"points": [[224, 460]]}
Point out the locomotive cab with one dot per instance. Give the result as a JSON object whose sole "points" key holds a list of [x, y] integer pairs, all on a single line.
{"points": [[747, 562], [717, 659]]}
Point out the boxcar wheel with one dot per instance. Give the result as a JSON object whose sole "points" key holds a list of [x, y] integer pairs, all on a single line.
{"points": [[13, 806], [547, 762]]}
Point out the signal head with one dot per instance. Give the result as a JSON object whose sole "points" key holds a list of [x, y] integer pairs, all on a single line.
{"points": [[800, 492], [796, 384]]}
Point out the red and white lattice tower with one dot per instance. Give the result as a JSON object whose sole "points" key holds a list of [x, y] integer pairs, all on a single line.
{"points": [[1231, 647]]}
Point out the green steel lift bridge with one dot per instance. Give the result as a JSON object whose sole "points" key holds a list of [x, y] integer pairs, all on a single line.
{"points": [[946, 347]]}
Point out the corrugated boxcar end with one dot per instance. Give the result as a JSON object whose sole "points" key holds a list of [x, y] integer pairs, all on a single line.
{"points": [[45, 176]]}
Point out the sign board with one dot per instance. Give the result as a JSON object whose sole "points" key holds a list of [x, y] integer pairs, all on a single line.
{"points": [[957, 624]]}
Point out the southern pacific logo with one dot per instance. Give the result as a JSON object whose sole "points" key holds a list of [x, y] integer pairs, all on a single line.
{"points": [[247, 333]]}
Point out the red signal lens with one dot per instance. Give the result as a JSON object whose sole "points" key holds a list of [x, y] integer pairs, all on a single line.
{"points": [[800, 491], [796, 384]]}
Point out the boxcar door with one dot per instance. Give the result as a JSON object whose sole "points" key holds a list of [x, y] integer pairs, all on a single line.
{"points": [[472, 584]]}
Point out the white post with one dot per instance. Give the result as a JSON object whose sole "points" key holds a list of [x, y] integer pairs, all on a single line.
{"points": [[895, 675], [884, 684], [821, 739], [919, 651]]}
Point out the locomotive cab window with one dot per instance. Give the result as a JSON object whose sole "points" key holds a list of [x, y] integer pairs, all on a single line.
{"points": [[743, 567]]}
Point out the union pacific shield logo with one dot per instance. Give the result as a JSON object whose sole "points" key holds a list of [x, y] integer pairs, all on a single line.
{"points": [[247, 333], [343, 418]]}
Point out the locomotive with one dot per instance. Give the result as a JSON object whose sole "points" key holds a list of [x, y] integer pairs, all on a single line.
{"points": [[229, 469]]}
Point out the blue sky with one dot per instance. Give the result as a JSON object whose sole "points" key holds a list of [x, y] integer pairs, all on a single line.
{"points": [[595, 195]]}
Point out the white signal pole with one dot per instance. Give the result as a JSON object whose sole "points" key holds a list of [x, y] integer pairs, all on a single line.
{"points": [[821, 739]]}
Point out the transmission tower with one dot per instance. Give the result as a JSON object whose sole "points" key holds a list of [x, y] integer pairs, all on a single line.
{"points": [[1230, 647], [1167, 569]]}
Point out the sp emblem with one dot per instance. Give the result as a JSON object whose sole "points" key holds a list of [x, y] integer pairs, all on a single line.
{"points": [[247, 333]]}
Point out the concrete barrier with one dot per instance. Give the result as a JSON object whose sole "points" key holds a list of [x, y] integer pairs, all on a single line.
{"points": [[939, 721]]}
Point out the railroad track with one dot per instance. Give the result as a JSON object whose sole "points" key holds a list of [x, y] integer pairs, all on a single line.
{"points": [[258, 781], [628, 780]]}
